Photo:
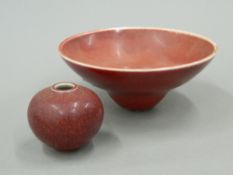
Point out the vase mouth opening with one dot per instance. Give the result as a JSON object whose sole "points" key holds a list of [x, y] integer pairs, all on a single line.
{"points": [[64, 86]]}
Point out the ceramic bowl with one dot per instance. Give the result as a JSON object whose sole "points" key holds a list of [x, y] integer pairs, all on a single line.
{"points": [[137, 66]]}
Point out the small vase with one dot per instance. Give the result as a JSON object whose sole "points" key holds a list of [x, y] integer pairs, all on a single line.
{"points": [[65, 116]]}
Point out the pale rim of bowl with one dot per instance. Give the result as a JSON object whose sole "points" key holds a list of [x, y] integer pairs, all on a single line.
{"points": [[168, 68]]}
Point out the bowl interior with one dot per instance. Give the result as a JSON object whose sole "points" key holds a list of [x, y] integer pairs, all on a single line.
{"points": [[136, 48]]}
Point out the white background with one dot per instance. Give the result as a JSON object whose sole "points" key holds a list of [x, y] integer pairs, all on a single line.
{"points": [[189, 133]]}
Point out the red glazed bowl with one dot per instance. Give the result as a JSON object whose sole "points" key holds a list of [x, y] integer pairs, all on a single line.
{"points": [[137, 66]]}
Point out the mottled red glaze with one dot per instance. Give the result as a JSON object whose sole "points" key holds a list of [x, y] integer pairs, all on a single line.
{"points": [[137, 66], [65, 119]]}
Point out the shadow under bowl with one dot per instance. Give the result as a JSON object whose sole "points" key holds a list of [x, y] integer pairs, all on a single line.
{"points": [[137, 66]]}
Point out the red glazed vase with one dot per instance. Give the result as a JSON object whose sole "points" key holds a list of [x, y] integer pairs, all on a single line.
{"points": [[137, 66], [65, 116]]}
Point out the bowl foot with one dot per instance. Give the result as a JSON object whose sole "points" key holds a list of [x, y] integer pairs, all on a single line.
{"points": [[137, 102]]}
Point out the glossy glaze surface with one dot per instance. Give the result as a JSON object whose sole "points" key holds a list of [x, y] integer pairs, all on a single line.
{"points": [[65, 117], [137, 66], [138, 48]]}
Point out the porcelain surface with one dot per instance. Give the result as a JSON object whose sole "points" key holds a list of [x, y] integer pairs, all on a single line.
{"points": [[65, 116], [137, 66]]}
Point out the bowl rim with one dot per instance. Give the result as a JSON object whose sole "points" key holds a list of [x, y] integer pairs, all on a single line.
{"points": [[168, 68]]}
